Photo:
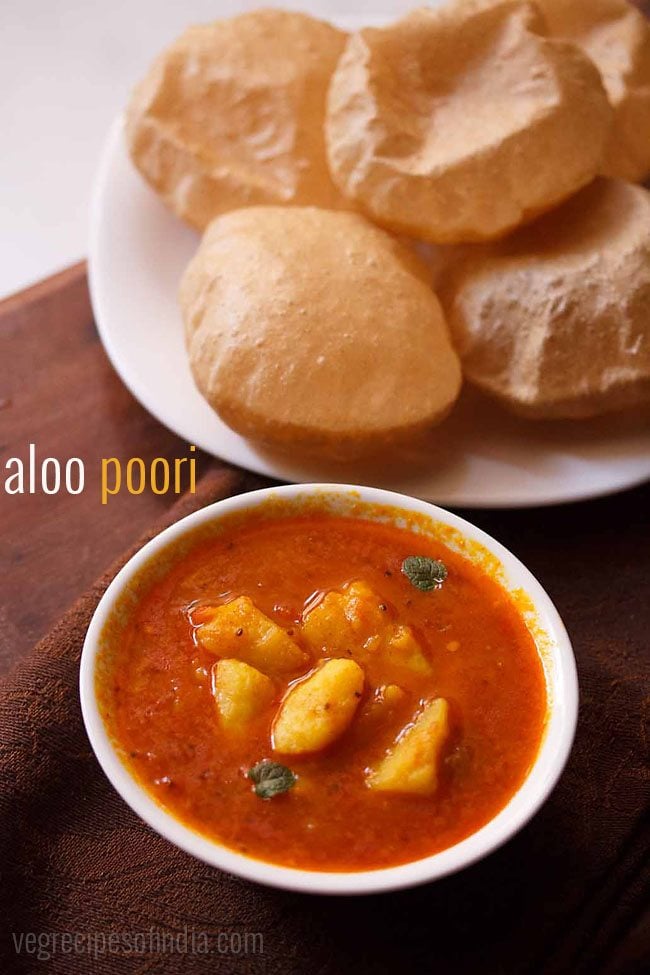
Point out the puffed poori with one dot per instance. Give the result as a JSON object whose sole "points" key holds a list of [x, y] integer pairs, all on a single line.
{"points": [[232, 113], [315, 328], [459, 123], [555, 321], [616, 36]]}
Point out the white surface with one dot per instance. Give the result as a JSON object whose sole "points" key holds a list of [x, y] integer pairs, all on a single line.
{"points": [[562, 691], [66, 67], [480, 457]]}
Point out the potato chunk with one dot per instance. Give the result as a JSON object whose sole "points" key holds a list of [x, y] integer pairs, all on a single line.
{"points": [[345, 620], [412, 765], [241, 692], [356, 622], [318, 710], [238, 629], [381, 711], [390, 696], [401, 649]]}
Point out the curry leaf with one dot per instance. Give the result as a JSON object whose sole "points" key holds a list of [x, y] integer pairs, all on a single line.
{"points": [[424, 573], [271, 779]]}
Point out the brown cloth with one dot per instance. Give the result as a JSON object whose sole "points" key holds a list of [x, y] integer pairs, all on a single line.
{"points": [[568, 894]]}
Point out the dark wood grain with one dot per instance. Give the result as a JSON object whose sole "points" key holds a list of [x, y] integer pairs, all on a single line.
{"points": [[58, 390]]}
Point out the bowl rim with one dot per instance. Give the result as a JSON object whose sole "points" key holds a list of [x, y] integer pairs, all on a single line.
{"points": [[562, 691]]}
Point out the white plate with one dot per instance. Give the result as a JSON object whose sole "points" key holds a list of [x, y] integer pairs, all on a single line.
{"points": [[546, 628], [480, 457]]}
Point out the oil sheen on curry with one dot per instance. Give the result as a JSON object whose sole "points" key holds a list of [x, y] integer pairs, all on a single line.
{"points": [[325, 692]]}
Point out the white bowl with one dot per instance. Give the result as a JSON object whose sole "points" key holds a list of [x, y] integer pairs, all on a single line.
{"points": [[544, 622]]}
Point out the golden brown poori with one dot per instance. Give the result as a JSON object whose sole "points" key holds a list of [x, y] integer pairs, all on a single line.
{"points": [[555, 320], [616, 36], [458, 123], [231, 115], [480, 124], [313, 328]]}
